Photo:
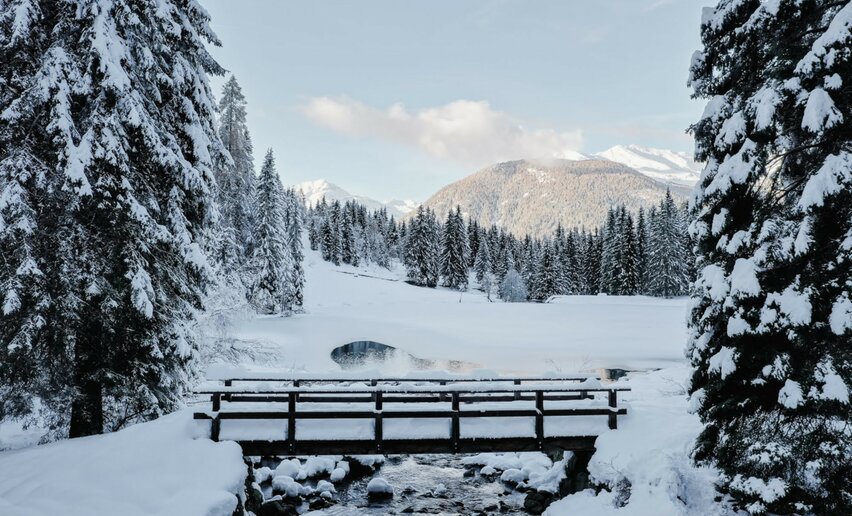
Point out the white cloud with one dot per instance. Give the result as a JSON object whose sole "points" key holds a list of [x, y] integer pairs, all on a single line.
{"points": [[466, 131]]}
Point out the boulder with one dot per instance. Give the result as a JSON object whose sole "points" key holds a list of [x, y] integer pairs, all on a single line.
{"points": [[537, 501], [277, 508], [379, 489]]}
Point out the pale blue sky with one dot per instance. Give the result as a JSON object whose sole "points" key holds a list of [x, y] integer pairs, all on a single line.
{"points": [[394, 98]]}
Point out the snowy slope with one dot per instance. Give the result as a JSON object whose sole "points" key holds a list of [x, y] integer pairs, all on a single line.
{"points": [[314, 191], [648, 458], [663, 165], [151, 469], [578, 332]]}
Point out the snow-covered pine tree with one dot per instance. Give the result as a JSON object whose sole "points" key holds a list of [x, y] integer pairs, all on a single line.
{"points": [[314, 223], [271, 263], [393, 239], [473, 238], [571, 259], [423, 249], [235, 177], [107, 145], [628, 277], [348, 245], [330, 234], [532, 257], [771, 318], [609, 274], [500, 258], [454, 252], [642, 252], [561, 253], [667, 267], [512, 288], [592, 263], [294, 215], [482, 264], [688, 246], [548, 279]]}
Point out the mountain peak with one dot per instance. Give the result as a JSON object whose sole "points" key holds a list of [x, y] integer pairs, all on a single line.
{"points": [[317, 189], [660, 164]]}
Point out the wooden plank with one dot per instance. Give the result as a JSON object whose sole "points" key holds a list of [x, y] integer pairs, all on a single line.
{"points": [[419, 414], [577, 377], [391, 389], [271, 398], [411, 446]]}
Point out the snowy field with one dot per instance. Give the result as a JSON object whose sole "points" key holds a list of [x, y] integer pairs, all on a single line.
{"points": [[569, 334], [157, 468]]}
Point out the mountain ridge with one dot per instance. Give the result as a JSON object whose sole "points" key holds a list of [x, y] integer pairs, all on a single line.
{"points": [[534, 196], [314, 191]]}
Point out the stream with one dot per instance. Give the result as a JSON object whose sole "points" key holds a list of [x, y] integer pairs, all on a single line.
{"points": [[415, 478]]}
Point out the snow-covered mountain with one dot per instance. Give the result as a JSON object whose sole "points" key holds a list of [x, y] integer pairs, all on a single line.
{"points": [[533, 196], [662, 165], [314, 191]]}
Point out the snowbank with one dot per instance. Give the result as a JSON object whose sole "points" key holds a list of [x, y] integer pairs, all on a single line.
{"points": [[645, 463], [154, 468]]}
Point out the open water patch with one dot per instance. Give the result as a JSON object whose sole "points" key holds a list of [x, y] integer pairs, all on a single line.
{"points": [[363, 354]]}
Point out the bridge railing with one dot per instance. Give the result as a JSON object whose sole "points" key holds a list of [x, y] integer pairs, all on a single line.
{"points": [[454, 402]]}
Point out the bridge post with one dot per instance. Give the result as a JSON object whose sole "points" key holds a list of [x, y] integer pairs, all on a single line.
{"points": [[296, 384], [216, 398], [455, 430], [228, 383], [291, 422], [613, 406], [517, 393], [379, 431], [214, 428], [539, 418]]}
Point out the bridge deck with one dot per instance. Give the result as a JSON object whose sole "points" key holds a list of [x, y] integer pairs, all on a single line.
{"points": [[411, 417]]}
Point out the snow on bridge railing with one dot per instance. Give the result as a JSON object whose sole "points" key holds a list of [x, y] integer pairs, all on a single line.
{"points": [[230, 377], [253, 403]]}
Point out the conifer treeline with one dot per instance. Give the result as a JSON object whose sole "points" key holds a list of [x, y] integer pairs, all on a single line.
{"points": [[646, 254], [256, 245]]}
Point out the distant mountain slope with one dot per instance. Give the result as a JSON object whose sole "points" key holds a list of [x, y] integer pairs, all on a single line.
{"points": [[529, 196], [663, 165], [314, 191]]}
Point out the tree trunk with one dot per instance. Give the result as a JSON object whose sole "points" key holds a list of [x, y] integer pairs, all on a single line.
{"points": [[87, 411], [87, 408]]}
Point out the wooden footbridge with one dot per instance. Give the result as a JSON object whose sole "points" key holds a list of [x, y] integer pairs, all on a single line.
{"points": [[280, 415]]}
